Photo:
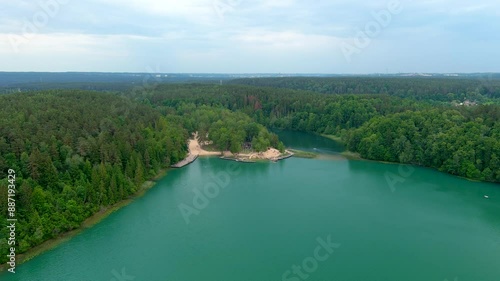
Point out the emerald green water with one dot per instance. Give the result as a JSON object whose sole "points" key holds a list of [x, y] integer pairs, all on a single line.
{"points": [[309, 142], [268, 217]]}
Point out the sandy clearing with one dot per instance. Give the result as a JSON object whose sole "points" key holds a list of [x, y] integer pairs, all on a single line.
{"points": [[195, 148]]}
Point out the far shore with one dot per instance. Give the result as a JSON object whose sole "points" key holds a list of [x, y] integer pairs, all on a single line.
{"points": [[346, 153], [304, 154]]}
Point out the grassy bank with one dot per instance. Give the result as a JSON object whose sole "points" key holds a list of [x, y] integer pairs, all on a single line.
{"points": [[303, 154], [334, 138], [352, 155], [347, 154], [88, 223]]}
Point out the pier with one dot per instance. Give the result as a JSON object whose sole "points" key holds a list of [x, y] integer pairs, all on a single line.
{"points": [[188, 160]]}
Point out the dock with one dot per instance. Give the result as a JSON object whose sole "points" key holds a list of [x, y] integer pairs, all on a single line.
{"points": [[189, 159]]}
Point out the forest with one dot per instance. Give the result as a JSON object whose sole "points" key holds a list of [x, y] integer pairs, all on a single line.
{"points": [[474, 87], [77, 152], [460, 140], [227, 130]]}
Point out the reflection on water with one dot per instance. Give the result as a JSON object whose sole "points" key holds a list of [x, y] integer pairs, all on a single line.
{"points": [[331, 157], [309, 142]]}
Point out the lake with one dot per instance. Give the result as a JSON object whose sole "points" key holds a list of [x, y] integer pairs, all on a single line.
{"points": [[298, 219]]}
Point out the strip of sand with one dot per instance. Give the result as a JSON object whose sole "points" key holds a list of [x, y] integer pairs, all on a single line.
{"points": [[195, 149], [271, 154]]}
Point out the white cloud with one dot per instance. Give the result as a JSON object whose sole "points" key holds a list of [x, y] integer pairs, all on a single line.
{"points": [[190, 10], [63, 43], [63, 52], [264, 35], [469, 9], [285, 40]]}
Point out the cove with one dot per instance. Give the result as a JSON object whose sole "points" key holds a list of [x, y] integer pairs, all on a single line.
{"points": [[269, 220]]}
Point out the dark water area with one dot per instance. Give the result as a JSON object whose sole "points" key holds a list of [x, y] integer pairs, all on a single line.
{"points": [[309, 142]]}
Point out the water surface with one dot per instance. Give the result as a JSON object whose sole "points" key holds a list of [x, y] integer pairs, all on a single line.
{"points": [[268, 217]]}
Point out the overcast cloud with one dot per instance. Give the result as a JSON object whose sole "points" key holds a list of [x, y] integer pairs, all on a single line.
{"points": [[243, 36]]}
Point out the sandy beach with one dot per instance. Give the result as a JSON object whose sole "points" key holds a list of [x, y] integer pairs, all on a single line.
{"points": [[196, 149], [270, 154]]}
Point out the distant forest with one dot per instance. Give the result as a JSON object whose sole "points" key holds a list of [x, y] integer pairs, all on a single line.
{"points": [[423, 88], [76, 152]]}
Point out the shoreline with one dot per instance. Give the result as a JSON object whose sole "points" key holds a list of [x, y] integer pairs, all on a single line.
{"points": [[357, 157], [86, 224], [272, 154], [353, 156], [186, 161], [257, 157], [194, 150], [304, 154], [334, 138], [147, 185]]}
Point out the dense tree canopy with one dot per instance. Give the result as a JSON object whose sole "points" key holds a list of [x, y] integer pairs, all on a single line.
{"points": [[76, 152], [459, 143], [480, 87], [228, 130]]}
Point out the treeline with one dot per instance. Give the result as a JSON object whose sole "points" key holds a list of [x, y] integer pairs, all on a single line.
{"points": [[424, 88], [283, 108], [460, 140], [464, 143], [76, 152]]}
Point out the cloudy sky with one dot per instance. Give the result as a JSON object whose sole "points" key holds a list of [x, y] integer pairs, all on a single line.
{"points": [[245, 36]]}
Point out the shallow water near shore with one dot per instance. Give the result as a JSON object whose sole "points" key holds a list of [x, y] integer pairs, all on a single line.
{"points": [[264, 220]]}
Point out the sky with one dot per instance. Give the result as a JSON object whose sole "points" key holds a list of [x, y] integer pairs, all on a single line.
{"points": [[244, 36]]}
